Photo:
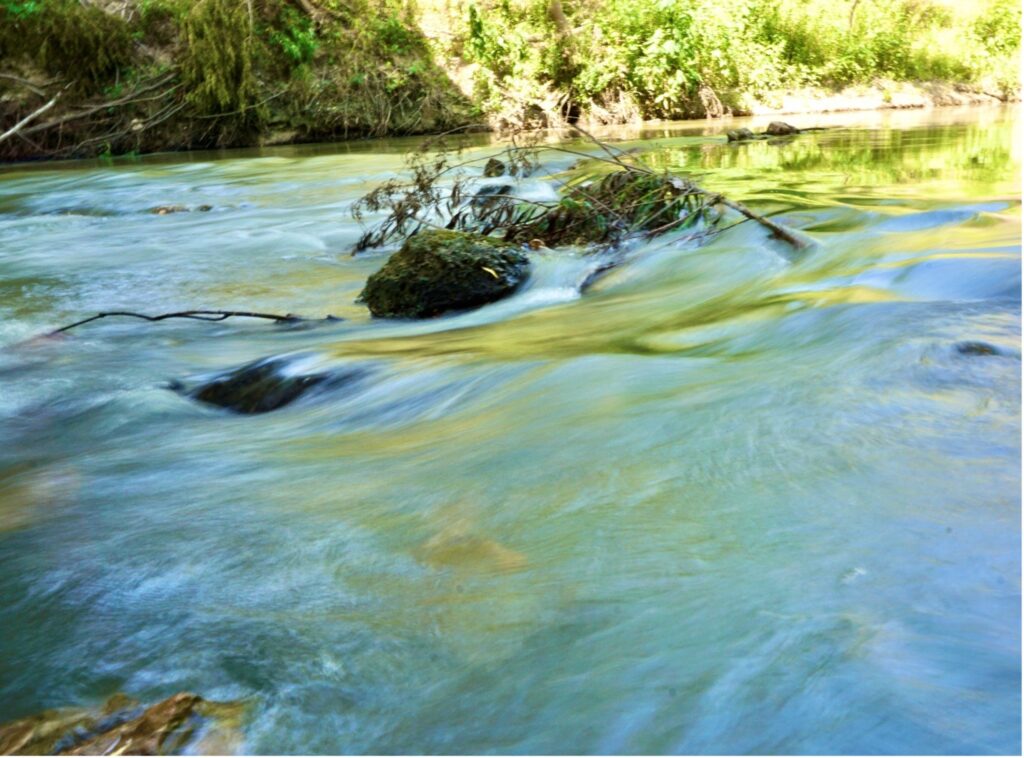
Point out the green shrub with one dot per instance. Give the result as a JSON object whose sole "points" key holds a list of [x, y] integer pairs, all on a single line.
{"points": [[64, 36]]}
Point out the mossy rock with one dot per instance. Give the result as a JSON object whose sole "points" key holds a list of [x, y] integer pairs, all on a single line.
{"points": [[439, 271]]}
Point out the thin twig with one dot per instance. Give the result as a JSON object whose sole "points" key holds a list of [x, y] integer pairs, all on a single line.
{"points": [[133, 97], [196, 315]]}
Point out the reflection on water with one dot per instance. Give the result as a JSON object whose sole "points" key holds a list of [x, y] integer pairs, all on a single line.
{"points": [[733, 499]]}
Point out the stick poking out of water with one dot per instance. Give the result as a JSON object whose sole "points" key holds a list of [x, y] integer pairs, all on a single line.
{"points": [[196, 315]]}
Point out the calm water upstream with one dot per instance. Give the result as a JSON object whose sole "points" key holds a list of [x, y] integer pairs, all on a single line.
{"points": [[733, 499]]}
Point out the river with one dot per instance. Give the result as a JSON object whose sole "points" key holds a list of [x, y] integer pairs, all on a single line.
{"points": [[733, 499]]}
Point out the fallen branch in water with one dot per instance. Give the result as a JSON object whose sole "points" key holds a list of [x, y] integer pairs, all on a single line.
{"points": [[195, 315], [777, 229], [605, 208]]}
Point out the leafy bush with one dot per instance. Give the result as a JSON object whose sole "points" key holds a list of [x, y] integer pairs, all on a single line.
{"points": [[663, 54]]}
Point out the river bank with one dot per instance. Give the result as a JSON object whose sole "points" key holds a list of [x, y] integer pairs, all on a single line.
{"points": [[99, 78]]}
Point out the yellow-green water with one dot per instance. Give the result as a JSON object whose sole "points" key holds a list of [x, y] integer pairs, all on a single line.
{"points": [[734, 499]]}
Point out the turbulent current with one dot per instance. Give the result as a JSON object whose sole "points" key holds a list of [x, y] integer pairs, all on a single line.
{"points": [[733, 499]]}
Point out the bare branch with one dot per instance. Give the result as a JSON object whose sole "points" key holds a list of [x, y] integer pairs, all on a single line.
{"points": [[30, 117], [200, 315]]}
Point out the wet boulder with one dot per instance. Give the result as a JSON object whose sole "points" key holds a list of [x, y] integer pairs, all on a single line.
{"points": [[738, 135], [780, 129], [494, 168], [439, 271], [258, 387]]}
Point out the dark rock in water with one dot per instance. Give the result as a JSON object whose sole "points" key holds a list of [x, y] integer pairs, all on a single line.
{"points": [[257, 387], [163, 210], [484, 194], [166, 728], [738, 135], [977, 348], [493, 168], [440, 271], [780, 128]]}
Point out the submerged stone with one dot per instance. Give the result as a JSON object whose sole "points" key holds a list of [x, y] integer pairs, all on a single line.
{"points": [[122, 727], [439, 271], [977, 348], [257, 387]]}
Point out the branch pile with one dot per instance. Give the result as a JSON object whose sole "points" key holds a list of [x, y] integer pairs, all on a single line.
{"points": [[625, 200]]}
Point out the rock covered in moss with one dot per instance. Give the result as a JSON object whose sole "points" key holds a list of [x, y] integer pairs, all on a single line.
{"points": [[439, 271]]}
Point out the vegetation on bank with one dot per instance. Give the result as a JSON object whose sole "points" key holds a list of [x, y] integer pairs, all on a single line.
{"points": [[620, 60], [144, 75]]}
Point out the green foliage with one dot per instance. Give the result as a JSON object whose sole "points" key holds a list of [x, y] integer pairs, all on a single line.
{"points": [[395, 35], [217, 66], [65, 37], [295, 35], [22, 8], [998, 27], [663, 54]]}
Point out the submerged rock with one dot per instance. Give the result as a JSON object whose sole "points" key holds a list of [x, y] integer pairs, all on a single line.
{"points": [[439, 271], [458, 547], [264, 385], [257, 387], [977, 348], [163, 210], [122, 726]]}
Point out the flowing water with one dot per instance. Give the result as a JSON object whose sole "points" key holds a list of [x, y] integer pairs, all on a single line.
{"points": [[732, 499]]}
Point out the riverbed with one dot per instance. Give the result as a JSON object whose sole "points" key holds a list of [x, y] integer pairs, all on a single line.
{"points": [[735, 498]]}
